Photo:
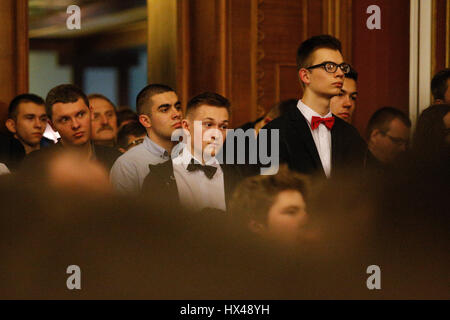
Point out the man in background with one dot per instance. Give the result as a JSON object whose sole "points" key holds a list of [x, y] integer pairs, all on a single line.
{"points": [[26, 122], [344, 104], [195, 176], [387, 137], [440, 87], [104, 120], [69, 114], [312, 140], [160, 113]]}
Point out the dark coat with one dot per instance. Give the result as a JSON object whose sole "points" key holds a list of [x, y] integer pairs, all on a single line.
{"points": [[298, 150], [160, 186], [12, 151]]}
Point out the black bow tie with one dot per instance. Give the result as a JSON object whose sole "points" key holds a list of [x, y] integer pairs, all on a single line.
{"points": [[208, 170]]}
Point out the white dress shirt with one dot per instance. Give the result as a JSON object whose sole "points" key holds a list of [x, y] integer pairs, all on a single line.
{"points": [[321, 136], [195, 190]]}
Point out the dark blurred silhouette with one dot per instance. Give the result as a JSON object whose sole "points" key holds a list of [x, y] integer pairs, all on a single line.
{"points": [[127, 249]]}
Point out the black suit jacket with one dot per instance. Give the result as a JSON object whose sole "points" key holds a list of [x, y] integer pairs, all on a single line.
{"points": [[298, 150], [12, 151], [160, 186]]}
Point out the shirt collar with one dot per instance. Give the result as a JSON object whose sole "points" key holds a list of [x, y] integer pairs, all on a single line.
{"points": [[185, 158], [308, 113], [155, 149]]}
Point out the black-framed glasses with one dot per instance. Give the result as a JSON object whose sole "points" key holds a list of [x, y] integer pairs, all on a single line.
{"points": [[134, 143], [331, 67], [397, 141]]}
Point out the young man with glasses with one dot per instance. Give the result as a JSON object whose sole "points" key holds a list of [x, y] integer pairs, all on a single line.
{"points": [[312, 140], [160, 113], [387, 137]]}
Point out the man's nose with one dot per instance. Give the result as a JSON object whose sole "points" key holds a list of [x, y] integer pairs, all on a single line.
{"points": [[104, 119], [37, 123], [75, 124], [339, 73], [347, 102], [176, 113]]}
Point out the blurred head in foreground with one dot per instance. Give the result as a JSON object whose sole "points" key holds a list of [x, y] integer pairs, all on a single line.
{"points": [[273, 206], [68, 171]]}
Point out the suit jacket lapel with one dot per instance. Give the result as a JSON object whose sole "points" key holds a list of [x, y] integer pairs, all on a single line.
{"points": [[301, 127]]}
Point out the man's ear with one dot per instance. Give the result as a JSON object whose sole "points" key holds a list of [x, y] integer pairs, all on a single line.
{"points": [[438, 101], [11, 125], [145, 120], [374, 134], [303, 74], [256, 227], [185, 124]]}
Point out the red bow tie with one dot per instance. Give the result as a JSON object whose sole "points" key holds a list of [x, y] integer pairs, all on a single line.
{"points": [[328, 122]]}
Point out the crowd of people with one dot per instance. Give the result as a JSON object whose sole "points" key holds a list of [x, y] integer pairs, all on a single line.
{"points": [[161, 195]]}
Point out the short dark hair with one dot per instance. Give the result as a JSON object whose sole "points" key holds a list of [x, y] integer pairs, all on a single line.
{"points": [[307, 48], [208, 98], [126, 114], [352, 74], [133, 128], [64, 93], [439, 84], [100, 96], [13, 109], [383, 117], [144, 96], [255, 195]]}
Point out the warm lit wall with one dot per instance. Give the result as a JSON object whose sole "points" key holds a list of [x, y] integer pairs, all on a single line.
{"points": [[381, 58], [441, 35], [13, 53]]}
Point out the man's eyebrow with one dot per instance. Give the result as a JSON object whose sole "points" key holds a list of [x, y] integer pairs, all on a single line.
{"points": [[164, 106], [177, 103]]}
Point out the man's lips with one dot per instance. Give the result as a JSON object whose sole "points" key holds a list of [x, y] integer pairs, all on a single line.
{"points": [[338, 84], [78, 134], [344, 114], [177, 125], [105, 129]]}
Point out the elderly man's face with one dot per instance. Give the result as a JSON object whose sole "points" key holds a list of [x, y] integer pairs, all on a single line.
{"points": [[104, 121]]}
